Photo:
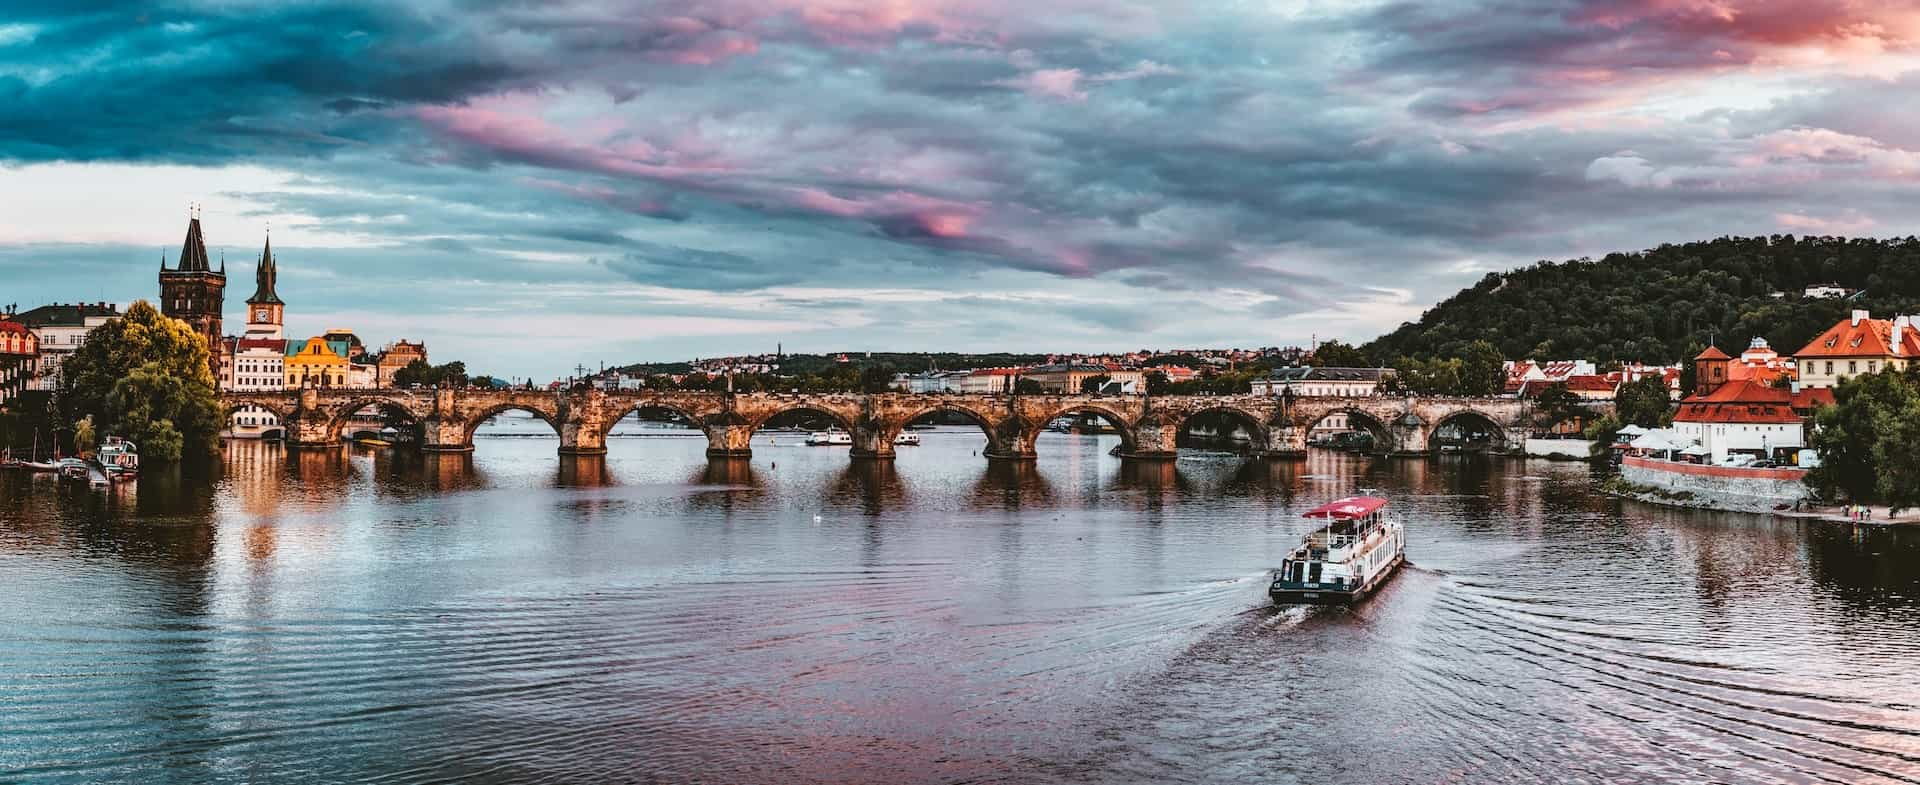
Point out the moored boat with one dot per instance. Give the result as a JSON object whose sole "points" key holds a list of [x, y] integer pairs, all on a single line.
{"points": [[118, 457], [1346, 559], [830, 438], [907, 440]]}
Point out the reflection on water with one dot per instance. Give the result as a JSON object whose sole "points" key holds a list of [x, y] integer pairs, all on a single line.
{"points": [[650, 615]]}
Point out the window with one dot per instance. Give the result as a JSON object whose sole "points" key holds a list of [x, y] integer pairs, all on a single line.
{"points": [[1873, 365], [1829, 366], [1852, 367]]}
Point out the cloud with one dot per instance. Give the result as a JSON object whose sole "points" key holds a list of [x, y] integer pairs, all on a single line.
{"points": [[1119, 168]]}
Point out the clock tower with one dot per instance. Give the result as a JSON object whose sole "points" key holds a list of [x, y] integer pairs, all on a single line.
{"points": [[264, 309]]}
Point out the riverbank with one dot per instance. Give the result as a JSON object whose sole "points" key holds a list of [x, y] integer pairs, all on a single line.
{"points": [[1879, 515]]}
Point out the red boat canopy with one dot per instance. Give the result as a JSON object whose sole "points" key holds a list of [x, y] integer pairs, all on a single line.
{"points": [[1350, 508]]}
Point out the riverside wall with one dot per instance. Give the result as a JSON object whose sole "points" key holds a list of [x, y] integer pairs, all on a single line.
{"points": [[1717, 487]]}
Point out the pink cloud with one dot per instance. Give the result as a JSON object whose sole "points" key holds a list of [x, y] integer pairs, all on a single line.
{"points": [[1852, 223]]}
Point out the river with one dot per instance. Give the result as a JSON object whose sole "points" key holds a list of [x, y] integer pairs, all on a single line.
{"points": [[506, 617]]}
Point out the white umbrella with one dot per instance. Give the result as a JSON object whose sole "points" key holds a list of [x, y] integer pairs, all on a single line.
{"points": [[1631, 430], [1653, 440]]}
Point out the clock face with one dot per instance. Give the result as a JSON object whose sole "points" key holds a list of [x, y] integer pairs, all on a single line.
{"points": [[260, 315]]}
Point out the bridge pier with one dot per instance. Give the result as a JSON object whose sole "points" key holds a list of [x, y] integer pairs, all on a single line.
{"points": [[442, 434], [1154, 439], [729, 438], [871, 442]]}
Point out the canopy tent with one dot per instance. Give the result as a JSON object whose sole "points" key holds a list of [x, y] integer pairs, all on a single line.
{"points": [[1631, 430], [1350, 508]]}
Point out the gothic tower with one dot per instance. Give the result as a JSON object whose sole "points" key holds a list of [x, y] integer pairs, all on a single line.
{"points": [[194, 293], [265, 312]]}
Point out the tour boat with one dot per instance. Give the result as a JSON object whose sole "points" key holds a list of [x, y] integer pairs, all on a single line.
{"points": [[907, 440], [831, 438], [1346, 559], [118, 457]]}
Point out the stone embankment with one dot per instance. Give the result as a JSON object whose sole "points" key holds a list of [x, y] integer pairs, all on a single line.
{"points": [[1709, 487]]}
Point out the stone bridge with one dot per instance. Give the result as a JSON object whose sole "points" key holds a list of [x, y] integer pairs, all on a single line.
{"points": [[1148, 425]]}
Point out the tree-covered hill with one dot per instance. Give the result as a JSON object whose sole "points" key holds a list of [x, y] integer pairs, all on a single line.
{"points": [[1662, 305]]}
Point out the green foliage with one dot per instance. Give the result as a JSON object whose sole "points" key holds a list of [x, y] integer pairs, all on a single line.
{"points": [[1092, 384], [1481, 372], [1661, 305], [1158, 383], [876, 378], [1426, 377], [1334, 354], [1602, 432], [1027, 386], [420, 373], [1645, 402], [1866, 440], [145, 377], [1556, 405], [83, 436]]}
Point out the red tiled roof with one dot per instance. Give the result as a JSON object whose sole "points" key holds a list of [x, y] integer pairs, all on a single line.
{"points": [[1868, 338], [1712, 353], [1744, 401], [1590, 383], [11, 326], [1813, 398]]}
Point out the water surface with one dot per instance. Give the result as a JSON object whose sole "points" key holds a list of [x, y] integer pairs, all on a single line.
{"points": [[510, 617]]}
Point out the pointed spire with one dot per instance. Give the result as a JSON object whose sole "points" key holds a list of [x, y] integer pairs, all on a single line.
{"points": [[193, 251], [264, 275]]}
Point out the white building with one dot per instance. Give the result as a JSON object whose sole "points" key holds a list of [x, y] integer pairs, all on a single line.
{"points": [[1825, 290], [1311, 381], [60, 329], [929, 381], [987, 381], [1743, 417]]}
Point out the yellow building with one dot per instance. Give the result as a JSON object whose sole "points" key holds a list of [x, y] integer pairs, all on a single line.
{"points": [[317, 362], [1859, 345]]}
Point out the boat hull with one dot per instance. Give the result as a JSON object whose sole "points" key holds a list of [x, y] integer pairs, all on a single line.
{"points": [[1308, 595]]}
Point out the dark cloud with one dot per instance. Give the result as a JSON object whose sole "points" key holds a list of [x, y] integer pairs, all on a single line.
{"points": [[980, 157]]}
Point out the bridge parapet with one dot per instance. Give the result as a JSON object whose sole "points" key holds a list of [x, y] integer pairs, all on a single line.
{"points": [[1149, 426]]}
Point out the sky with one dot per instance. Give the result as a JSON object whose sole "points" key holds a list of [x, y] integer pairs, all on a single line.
{"points": [[533, 185]]}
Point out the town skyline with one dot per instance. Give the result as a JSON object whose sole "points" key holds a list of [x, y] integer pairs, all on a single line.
{"points": [[673, 180]]}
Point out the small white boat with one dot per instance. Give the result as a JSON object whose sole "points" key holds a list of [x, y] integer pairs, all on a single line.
{"points": [[830, 438], [1345, 560], [907, 440]]}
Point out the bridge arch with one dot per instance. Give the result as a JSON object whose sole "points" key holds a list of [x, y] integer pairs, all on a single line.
{"points": [[480, 417], [1129, 441], [1471, 420], [1380, 428], [281, 408], [996, 441], [1257, 430], [337, 414], [840, 419]]}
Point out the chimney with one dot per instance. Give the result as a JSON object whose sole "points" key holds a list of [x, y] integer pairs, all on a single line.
{"points": [[1858, 316], [1901, 324]]}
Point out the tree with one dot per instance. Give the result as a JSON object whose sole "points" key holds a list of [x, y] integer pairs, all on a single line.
{"points": [[420, 373], [1334, 354], [1858, 438], [83, 436], [1556, 405], [1158, 383], [145, 377], [1645, 402], [1602, 432], [876, 378], [1482, 369], [1092, 384], [1027, 386]]}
